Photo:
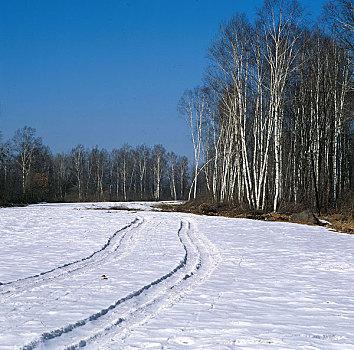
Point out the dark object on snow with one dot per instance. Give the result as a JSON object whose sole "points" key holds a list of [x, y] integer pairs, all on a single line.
{"points": [[305, 216], [207, 209]]}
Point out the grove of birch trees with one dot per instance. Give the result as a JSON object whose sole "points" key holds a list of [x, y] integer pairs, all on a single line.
{"points": [[272, 125]]}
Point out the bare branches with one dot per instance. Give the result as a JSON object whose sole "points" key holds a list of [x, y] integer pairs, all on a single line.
{"points": [[277, 126], [340, 15]]}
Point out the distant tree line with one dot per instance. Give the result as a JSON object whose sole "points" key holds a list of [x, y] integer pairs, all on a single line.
{"points": [[29, 172], [272, 125]]}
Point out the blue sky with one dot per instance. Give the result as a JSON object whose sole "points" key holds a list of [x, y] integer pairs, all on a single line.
{"points": [[106, 72]]}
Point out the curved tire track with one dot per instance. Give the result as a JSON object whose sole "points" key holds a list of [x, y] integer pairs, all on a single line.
{"points": [[120, 240], [137, 307]]}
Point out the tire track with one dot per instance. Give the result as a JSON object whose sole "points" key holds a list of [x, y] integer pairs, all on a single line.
{"points": [[139, 306], [122, 240], [205, 264]]}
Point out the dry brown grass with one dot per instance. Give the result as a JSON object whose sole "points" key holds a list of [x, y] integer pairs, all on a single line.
{"points": [[117, 207], [340, 222], [337, 222]]}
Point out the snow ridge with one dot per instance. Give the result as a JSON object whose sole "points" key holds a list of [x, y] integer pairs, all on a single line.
{"points": [[122, 239], [140, 305]]}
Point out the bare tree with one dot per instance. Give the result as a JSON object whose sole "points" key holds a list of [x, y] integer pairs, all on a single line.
{"points": [[280, 22], [172, 174], [124, 155], [182, 173], [78, 160], [340, 15], [61, 175], [193, 106], [142, 154], [159, 163], [25, 143], [5, 161]]}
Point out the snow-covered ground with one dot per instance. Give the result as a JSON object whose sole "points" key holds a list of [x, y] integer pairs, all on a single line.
{"points": [[104, 279]]}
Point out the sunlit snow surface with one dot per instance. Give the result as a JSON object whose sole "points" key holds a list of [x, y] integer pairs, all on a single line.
{"points": [[172, 281]]}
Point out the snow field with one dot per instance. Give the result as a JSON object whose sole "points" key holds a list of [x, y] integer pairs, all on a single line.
{"points": [[278, 286], [173, 281], [38, 238]]}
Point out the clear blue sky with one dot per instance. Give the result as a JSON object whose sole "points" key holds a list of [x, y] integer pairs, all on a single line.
{"points": [[106, 72]]}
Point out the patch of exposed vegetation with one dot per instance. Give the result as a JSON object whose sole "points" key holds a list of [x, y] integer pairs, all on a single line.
{"points": [[343, 222], [340, 222], [116, 207]]}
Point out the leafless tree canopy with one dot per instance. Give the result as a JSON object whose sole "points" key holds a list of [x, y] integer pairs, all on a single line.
{"points": [[276, 126], [30, 173], [340, 15]]}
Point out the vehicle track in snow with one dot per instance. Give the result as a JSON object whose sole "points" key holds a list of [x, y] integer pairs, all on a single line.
{"points": [[122, 241], [118, 319]]}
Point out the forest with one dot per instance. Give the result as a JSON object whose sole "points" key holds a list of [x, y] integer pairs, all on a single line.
{"points": [[271, 127], [272, 123], [31, 173]]}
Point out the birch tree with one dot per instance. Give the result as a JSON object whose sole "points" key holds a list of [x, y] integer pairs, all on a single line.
{"points": [[159, 163], [193, 106], [78, 160], [172, 174], [25, 144], [141, 155], [280, 22], [182, 175], [340, 15]]}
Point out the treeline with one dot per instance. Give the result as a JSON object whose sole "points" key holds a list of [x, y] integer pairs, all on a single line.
{"points": [[29, 172], [272, 126]]}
